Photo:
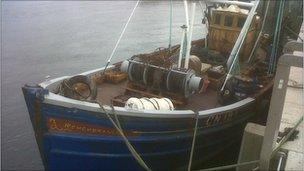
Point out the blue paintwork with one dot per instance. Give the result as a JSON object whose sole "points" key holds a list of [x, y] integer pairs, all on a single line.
{"points": [[161, 151]]}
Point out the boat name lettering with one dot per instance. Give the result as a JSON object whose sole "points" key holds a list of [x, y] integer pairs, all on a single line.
{"points": [[68, 126], [219, 118]]}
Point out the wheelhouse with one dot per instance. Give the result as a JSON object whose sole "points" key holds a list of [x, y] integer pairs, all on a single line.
{"points": [[225, 26]]}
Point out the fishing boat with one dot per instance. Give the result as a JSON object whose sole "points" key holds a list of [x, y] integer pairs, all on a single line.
{"points": [[169, 109]]}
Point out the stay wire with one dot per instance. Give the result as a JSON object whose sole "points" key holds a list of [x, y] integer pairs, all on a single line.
{"points": [[121, 34]]}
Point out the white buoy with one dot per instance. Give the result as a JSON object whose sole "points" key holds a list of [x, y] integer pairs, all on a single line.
{"points": [[162, 104]]}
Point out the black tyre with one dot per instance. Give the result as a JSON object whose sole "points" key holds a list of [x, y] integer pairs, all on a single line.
{"points": [[88, 88]]}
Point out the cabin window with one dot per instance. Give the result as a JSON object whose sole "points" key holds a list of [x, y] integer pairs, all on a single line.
{"points": [[228, 21], [241, 22], [217, 19]]}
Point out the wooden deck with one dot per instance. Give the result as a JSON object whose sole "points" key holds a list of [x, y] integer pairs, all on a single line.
{"points": [[196, 102]]}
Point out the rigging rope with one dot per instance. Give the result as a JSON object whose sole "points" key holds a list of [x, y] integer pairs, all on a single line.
{"points": [[121, 34], [231, 166], [274, 50], [279, 33], [129, 145], [260, 34], [206, 20]]}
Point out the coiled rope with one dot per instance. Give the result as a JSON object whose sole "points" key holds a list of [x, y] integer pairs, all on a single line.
{"points": [[127, 142]]}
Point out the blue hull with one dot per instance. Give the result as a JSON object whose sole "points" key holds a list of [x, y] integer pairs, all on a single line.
{"points": [[163, 143]]}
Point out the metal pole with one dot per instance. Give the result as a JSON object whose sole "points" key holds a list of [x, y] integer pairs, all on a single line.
{"points": [[282, 155], [189, 38], [170, 29], [186, 14], [181, 50]]}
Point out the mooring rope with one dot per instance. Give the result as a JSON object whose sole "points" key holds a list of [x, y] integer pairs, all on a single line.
{"points": [[121, 34], [127, 142], [285, 138], [231, 166], [193, 142], [294, 33], [281, 143]]}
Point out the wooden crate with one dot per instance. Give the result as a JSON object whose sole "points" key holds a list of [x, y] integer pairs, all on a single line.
{"points": [[98, 79], [115, 77]]}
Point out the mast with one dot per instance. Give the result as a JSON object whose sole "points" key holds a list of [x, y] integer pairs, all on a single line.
{"points": [[170, 29], [186, 14], [190, 36], [187, 36], [182, 48]]}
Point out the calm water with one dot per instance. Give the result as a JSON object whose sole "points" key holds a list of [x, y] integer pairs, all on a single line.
{"points": [[62, 38]]}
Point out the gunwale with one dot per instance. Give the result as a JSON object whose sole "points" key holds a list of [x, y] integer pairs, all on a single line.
{"points": [[54, 99]]}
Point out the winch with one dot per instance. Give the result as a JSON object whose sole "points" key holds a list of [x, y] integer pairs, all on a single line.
{"points": [[178, 81]]}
